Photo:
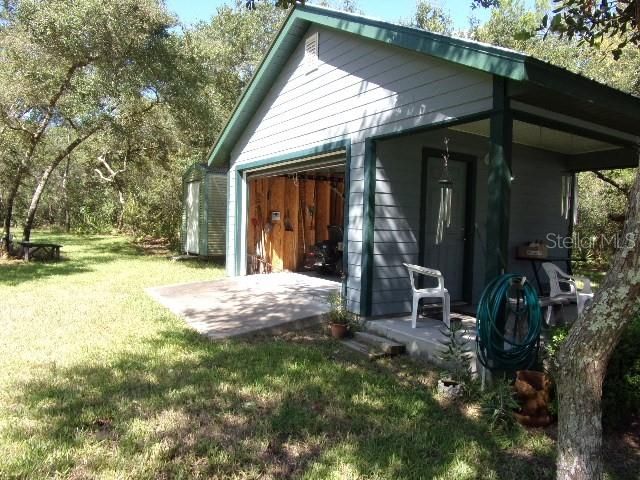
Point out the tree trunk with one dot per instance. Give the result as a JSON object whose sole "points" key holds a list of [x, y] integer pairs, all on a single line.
{"points": [[65, 197], [8, 214], [42, 183], [121, 200], [35, 199], [583, 358]]}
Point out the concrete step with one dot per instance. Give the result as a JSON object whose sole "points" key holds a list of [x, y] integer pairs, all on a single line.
{"points": [[355, 346], [364, 349], [381, 343], [424, 341]]}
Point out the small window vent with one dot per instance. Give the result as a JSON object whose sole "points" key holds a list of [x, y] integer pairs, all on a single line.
{"points": [[311, 51]]}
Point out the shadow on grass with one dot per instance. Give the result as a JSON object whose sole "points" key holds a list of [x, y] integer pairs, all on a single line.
{"points": [[274, 409], [79, 255], [202, 263]]}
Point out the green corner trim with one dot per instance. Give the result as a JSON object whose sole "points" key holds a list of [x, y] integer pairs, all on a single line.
{"points": [[228, 230], [207, 202], [368, 226], [238, 222], [346, 223]]}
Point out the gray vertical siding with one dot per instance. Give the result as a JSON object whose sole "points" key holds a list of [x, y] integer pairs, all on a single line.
{"points": [[212, 214], [535, 204], [216, 213], [360, 89], [535, 208]]}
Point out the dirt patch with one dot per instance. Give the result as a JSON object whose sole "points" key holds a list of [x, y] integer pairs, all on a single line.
{"points": [[622, 451], [155, 246]]}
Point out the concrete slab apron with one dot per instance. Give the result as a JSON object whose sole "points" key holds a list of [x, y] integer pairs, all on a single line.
{"points": [[238, 306]]}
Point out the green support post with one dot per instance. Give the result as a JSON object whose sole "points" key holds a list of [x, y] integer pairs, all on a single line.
{"points": [[499, 181]]}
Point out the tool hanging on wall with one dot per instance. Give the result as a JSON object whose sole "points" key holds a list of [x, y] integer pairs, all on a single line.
{"points": [[301, 212], [288, 226], [268, 226], [260, 250], [335, 205], [312, 209], [334, 187]]}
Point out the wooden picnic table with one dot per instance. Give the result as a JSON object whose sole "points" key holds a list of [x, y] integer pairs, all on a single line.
{"points": [[50, 250]]}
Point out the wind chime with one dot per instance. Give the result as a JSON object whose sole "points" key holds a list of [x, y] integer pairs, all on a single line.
{"points": [[446, 193], [569, 199]]}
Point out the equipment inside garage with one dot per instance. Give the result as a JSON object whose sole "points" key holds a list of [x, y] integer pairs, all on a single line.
{"points": [[294, 212]]}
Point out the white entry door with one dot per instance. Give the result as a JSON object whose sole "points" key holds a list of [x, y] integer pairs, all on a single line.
{"points": [[447, 256], [193, 223]]}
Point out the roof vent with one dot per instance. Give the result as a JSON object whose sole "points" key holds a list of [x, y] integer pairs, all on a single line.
{"points": [[311, 51]]}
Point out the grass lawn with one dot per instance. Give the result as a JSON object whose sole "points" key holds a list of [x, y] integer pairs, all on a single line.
{"points": [[99, 381]]}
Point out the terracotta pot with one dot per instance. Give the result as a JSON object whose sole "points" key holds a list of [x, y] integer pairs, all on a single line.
{"points": [[338, 330], [533, 390]]}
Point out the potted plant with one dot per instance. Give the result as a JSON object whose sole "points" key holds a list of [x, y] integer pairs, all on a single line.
{"points": [[339, 317]]}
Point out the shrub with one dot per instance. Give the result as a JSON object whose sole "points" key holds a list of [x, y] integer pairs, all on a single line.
{"points": [[498, 404], [621, 389]]}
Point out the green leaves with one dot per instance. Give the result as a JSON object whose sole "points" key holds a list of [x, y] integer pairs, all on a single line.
{"points": [[433, 18], [599, 23]]}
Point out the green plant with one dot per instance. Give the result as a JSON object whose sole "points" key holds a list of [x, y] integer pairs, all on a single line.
{"points": [[557, 336], [456, 356], [498, 405], [338, 313]]}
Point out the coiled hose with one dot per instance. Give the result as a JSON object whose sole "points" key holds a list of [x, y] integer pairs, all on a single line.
{"points": [[506, 296]]}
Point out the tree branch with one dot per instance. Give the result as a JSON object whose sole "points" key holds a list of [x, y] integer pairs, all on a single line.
{"points": [[53, 101], [112, 173], [621, 188]]}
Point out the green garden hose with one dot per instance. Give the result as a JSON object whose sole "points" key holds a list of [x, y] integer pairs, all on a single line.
{"points": [[508, 298]]}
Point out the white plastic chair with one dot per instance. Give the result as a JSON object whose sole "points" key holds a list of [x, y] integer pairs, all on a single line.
{"points": [[571, 292], [435, 292]]}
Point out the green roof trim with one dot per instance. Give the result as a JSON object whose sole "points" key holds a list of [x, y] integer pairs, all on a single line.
{"points": [[487, 58]]}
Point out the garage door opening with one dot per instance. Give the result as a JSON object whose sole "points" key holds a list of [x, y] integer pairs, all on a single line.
{"points": [[296, 217]]}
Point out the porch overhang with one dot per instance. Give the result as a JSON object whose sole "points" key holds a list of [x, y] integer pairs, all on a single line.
{"points": [[609, 160], [530, 80]]}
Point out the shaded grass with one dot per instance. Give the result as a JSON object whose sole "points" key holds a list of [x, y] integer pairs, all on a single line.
{"points": [[97, 380]]}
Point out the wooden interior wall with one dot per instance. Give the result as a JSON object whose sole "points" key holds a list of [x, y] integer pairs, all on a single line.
{"points": [[306, 208]]}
